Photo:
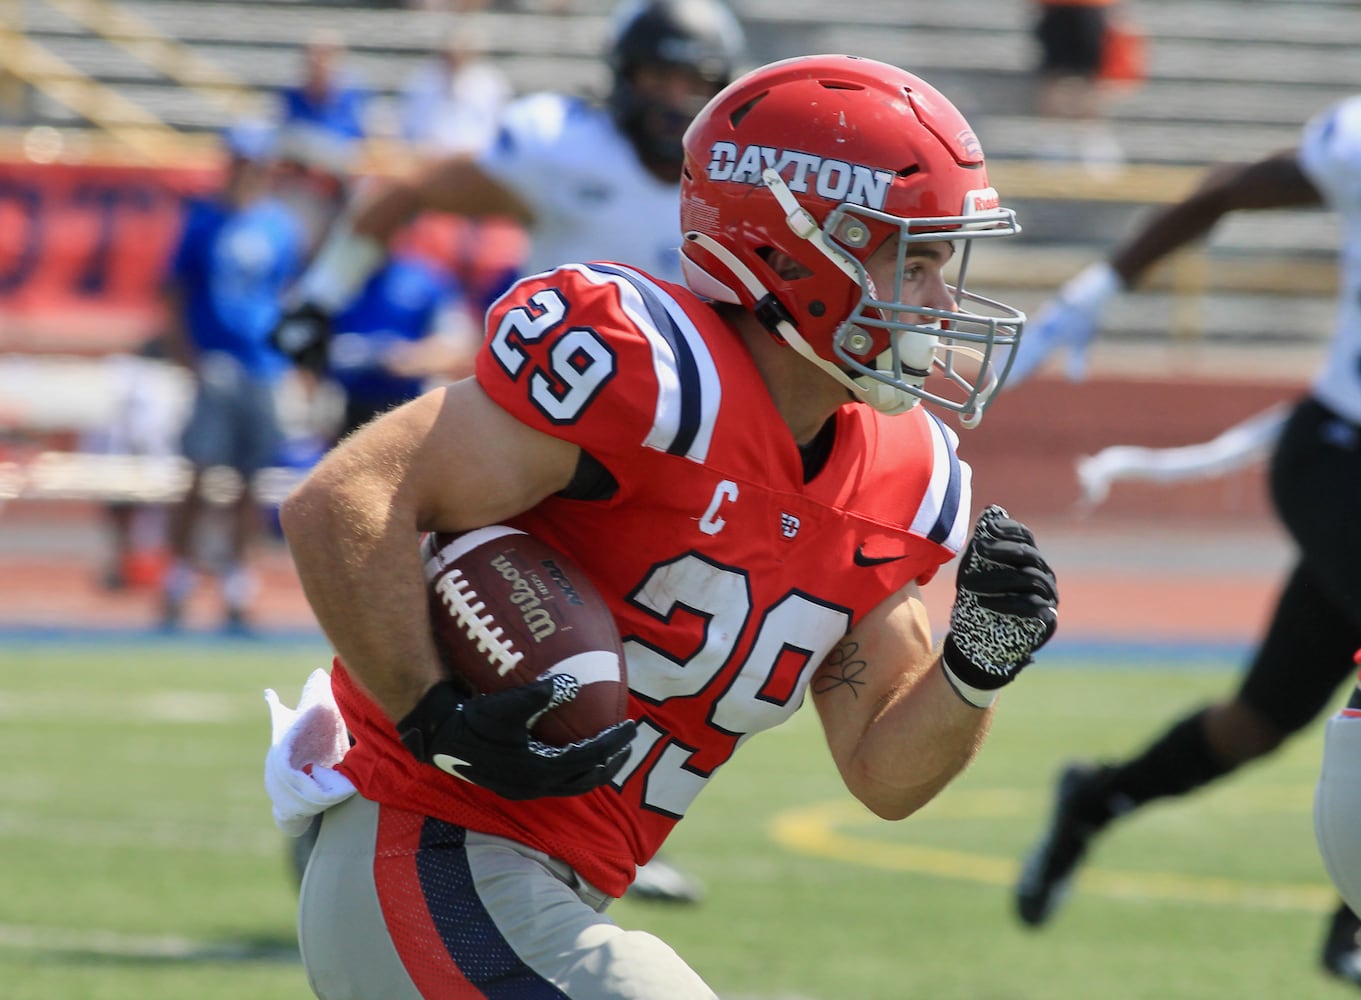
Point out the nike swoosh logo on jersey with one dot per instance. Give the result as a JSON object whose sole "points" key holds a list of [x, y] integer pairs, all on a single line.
{"points": [[447, 762], [863, 560]]}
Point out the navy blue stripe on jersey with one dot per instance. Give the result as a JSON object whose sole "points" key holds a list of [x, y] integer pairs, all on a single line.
{"points": [[947, 484], [687, 369], [469, 934]]}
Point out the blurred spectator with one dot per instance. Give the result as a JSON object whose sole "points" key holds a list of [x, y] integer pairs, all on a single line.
{"points": [[1072, 89], [142, 425], [237, 252], [326, 96], [452, 102]]}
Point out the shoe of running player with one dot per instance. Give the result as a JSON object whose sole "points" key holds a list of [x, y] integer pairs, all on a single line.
{"points": [[662, 882], [1047, 872]]}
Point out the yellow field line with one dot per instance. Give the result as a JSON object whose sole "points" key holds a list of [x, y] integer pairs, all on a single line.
{"points": [[822, 830]]}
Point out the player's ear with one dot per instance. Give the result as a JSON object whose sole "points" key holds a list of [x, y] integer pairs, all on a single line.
{"points": [[784, 265]]}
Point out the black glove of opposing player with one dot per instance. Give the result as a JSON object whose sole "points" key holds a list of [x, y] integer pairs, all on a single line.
{"points": [[1006, 607], [303, 335], [485, 739]]}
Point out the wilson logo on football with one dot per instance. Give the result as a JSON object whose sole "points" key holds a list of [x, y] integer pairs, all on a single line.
{"points": [[525, 595]]}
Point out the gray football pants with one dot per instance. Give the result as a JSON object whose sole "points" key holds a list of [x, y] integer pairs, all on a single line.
{"points": [[397, 906]]}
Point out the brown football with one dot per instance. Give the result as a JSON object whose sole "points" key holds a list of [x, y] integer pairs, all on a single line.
{"points": [[508, 609]]}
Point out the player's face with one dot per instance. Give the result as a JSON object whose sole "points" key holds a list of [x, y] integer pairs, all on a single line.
{"points": [[922, 279], [676, 87], [672, 96]]}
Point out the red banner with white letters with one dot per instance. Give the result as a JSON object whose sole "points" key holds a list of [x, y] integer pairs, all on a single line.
{"points": [[82, 251], [84, 248]]}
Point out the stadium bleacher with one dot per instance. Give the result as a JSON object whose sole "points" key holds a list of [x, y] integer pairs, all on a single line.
{"points": [[1226, 79]]}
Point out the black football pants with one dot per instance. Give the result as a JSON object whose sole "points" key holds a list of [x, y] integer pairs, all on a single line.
{"points": [[1316, 627]]}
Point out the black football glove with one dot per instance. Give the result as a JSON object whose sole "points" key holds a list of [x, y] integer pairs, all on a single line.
{"points": [[1006, 607], [485, 739], [303, 335]]}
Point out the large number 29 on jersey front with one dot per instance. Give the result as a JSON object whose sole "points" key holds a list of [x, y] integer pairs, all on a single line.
{"points": [[793, 635], [578, 365]]}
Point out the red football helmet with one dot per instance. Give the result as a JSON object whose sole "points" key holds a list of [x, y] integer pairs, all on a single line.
{"points": [[821, 159]]}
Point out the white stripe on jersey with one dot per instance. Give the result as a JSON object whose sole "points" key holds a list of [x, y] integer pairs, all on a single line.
{"points": [[941, 493], [703, 388]]}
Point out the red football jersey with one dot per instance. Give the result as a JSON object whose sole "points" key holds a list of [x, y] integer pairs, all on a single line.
{"points": [[729, 576]]}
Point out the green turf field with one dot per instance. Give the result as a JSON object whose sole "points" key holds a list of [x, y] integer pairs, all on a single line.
{"points": [[138, 860]]}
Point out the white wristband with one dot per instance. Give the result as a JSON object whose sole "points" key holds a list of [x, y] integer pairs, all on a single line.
{"points": [[977, 697], [342, 266], [1092, 287]]}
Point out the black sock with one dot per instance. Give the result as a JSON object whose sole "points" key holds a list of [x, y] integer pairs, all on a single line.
{"points": [[1177, 762]]}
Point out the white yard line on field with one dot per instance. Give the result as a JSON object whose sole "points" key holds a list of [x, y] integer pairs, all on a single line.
{"points": [[120, 709], [152, 946], [220, 838]]}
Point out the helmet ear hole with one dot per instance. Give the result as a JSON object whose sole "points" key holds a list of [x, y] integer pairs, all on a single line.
{"points": [[782, 264]]}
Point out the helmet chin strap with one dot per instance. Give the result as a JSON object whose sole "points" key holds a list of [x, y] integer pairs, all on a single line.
{"points": [[887, 399]]}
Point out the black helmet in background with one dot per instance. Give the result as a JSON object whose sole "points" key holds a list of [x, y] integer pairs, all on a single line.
{"points": [[668, 57]]}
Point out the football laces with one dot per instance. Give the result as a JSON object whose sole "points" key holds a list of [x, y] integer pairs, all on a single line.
{"points": [[466, 608]]}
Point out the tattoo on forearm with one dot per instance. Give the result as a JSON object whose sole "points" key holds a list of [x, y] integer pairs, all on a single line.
{"points": [[842, 668]]}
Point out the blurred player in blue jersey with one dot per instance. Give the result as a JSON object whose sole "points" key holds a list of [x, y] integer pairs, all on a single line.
{"points": [[379, 354], [590, 181], [237, 254], [1316, 489]]}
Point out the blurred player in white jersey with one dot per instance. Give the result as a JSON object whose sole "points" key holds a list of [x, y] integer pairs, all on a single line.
{"points": [[750, 469], [1315, 479], [590, 181]]}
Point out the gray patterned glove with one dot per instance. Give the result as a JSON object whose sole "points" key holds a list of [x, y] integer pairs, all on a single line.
{"points": [[1006, 607]]}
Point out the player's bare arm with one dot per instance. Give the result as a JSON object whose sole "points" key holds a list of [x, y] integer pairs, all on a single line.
{"points": [[450, 460], [455, 184], [1275, 181], [1070, 320], [895, 727]]}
